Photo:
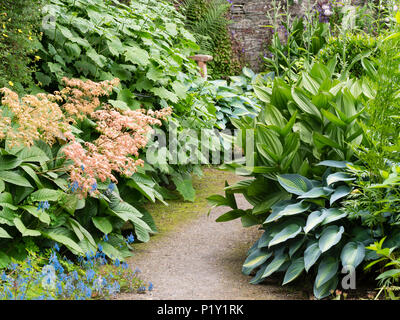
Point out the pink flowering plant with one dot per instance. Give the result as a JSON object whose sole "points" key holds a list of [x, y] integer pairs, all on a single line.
{"points": [[59, 179]]}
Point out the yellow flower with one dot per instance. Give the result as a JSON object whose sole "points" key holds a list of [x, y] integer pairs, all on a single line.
{"points": [[37, 58], [19, 30], [4, 35], [11, 83], [30, 38]]}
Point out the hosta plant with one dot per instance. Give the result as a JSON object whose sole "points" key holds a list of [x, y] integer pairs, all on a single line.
{"points": [[306, 232]]}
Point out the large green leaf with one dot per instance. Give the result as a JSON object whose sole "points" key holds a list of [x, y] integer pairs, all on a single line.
{"points": [[325, 290], [231, 215], [103, 224], [45, 195], [4, 234], [6, 200], [332, 214], [289, 232], [25, 231], [339, 193], [304, 103], [327, 269], [14, 178], [311, 255], [294, 270], [352, 254], [339, 177], [275, 264], [40, 214], [317, 192], [329, 237], [68, 242], [313, 220], [257, 258], [184, 185], [32, 154], [295, 183], [8, 162]]}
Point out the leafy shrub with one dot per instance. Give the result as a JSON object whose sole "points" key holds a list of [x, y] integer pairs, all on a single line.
{"points": [[20, 39], [350, 49], [234, 99], [44, 188], [144, 44]]}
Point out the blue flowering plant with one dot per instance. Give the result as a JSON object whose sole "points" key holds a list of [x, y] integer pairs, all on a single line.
{"points": [[51, 276]]}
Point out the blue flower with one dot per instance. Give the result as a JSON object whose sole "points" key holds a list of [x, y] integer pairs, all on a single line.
{"points": [[130, 239], [105, 238], [150, 286], [56, 247], [90, 274], [83, 167], [43, 205]]}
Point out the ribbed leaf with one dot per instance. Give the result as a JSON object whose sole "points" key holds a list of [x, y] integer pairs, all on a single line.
{"points": [[339, 193], [257, 258], [14, 178], [288, 232], [338, 177], [327, 269], [311, 255], [329, 237], [325, 290], [313, 219], [353, 254], [295, 183], [332, 214], [294, 270]]}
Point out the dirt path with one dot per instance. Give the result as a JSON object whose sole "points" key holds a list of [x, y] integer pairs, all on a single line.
{"points": [[199, 258]]}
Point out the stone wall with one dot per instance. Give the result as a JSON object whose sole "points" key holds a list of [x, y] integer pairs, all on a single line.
{"points": [[249, 18]]}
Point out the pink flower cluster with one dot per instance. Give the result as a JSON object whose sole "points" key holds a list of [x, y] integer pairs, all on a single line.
{"points": [[122, 134]]}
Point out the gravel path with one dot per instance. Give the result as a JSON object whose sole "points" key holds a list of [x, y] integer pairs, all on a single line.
{"points": [[202, 259]]}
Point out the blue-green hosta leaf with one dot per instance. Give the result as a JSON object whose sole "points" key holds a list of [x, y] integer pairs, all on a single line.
{"points": [[289, 232], [257, 258], [25, 231], [311, 255], [289, 210], [316, 193], [332, 214], [313, 220], [295, 246], [327, 269], [352, 254], [294, 270], [334, 164], [338, 177], [14, 178], [339, 193], [295, 183], [325, 290], [329, 237], [275, 264]]}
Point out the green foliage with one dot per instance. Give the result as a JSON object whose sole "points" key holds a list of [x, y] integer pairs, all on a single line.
{"points": [[37, 202], [350, 49], [19, 41], [235, 98], [144, 44], [389, 262], [208, 21]]}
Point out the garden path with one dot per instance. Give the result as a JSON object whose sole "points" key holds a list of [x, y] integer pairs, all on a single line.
{"points": [[195, 258]]}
